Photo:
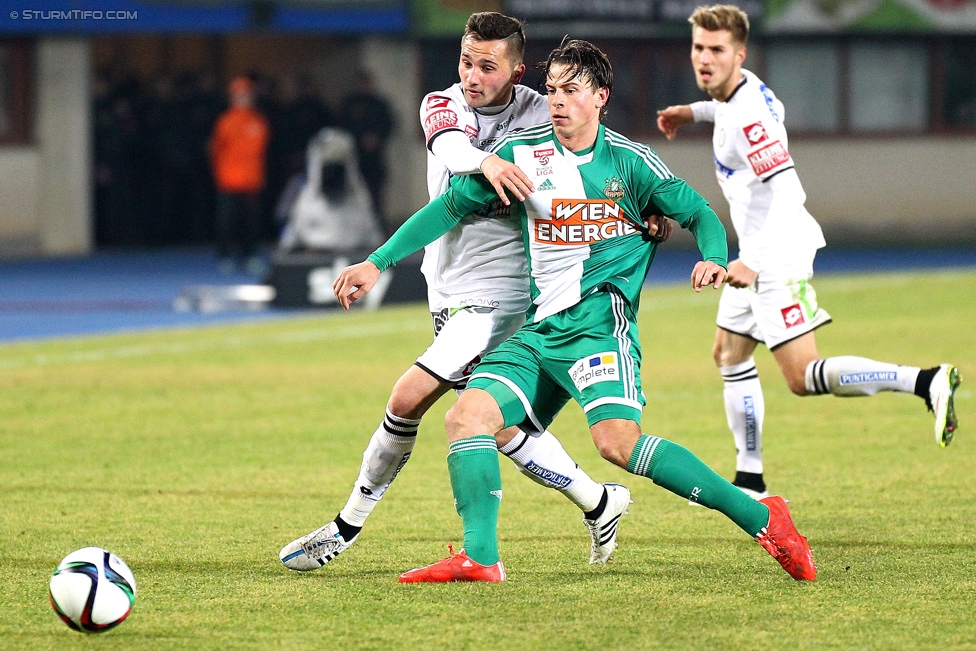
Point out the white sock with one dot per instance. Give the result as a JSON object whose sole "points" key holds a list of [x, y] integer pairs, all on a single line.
{"points": [[387, 452], [543, 460], [745, 409], [858, 376]]}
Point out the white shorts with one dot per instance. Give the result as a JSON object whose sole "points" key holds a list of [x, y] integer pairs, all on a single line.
{"points": [[773, 312], [462, 336]]}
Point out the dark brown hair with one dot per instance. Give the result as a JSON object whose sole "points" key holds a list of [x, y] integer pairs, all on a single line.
{"points": [[583, 61], [493, 26]]}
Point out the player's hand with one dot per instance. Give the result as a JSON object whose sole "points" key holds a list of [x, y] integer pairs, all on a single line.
{"points": [[707, 273], [740, 275], [659, 228], [669, 119], [504, 175], [355, 282]]}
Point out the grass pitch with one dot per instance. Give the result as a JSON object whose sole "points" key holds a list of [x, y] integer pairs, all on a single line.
{"points": [[196, 454]]}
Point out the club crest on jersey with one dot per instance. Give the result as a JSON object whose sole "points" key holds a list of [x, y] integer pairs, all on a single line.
{"points": [[437, 102], [577, 222], [601, 367], [755, 133], [615, 188], [792, 315], [768, 158]]}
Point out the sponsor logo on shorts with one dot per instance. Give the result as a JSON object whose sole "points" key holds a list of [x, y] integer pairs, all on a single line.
{"points": [[768, 158], [548, 476], [582, 221], [793, 315], [864, 378], [438, 121], [469, 369], [755, 133], [601, 367]]}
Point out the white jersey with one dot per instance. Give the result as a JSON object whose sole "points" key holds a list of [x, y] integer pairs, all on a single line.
{"points": [[481, 261], [777, 236]]}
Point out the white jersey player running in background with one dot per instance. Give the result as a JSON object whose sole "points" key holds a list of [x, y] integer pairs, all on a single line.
{"points": [[478, 289], [769, 298]]}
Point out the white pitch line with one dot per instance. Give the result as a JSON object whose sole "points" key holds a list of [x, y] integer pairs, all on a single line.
{"points": [[283, 338]]}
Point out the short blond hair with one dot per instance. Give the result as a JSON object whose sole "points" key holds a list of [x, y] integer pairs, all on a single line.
{"points": [[728, 18]]}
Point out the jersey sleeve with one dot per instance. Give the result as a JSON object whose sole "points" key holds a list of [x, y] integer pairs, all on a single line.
{"points": [[466, 194], [441, 113], [703, 111], [455, 151]]}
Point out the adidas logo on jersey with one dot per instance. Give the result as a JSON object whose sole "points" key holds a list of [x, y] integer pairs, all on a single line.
{"points": [[547, 185]]}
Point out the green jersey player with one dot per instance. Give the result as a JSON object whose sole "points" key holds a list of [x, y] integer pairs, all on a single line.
{"points": [[587, 262]]}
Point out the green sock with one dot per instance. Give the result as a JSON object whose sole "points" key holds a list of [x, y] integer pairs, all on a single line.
{"points": [[477, 485], [675, 468]]}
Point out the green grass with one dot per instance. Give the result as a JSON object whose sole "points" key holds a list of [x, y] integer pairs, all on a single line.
{"points": [[196, 454]]}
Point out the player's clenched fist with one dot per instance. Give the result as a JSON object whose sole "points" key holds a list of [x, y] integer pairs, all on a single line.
{"points": [[707, 273], [355, 282]]}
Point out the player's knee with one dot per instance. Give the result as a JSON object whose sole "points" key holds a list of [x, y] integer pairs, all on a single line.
{"points": [[718, 355], [797, 383], [612, 448], [405, 405], [468, 418]]}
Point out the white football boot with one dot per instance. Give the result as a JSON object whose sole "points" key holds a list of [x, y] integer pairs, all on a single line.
{"points": [[603, 530], [313, 550], [942, 394]]}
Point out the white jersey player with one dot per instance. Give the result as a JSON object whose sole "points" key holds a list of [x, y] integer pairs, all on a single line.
{"points": [[478, 292], [769, 298]]}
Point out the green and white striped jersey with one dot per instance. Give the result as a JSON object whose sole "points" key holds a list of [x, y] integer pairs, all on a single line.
{"points": [[582, 226]]}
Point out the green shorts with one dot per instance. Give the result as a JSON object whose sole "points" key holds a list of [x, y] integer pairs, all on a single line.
{"points": [[589, 352]]}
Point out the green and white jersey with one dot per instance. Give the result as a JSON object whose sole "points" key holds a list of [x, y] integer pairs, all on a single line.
{"points": [[582, 226]]}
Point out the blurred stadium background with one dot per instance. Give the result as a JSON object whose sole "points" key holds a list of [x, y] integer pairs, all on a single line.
{"points": [[105, 107]]}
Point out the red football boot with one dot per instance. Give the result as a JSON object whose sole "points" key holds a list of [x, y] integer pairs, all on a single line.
{"points": [[781, 539], [456, 567]]}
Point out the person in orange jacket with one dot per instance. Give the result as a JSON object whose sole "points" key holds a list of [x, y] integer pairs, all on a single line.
{"points": [[237, 154]]}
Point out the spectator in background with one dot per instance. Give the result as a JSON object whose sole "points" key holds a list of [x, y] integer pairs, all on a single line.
{"points": [[237, 154], [368, 117]]}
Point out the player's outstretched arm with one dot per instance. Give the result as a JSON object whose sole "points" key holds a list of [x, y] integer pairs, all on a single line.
{"points": [[355, 282], [707, 273], [669, 119], [505, 175]]}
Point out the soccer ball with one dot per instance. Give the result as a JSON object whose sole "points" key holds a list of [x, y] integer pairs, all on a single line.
{"points": [[92, 590]]}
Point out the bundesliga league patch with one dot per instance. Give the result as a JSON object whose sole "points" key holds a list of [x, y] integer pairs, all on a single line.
{"points": [[601, 367]]}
